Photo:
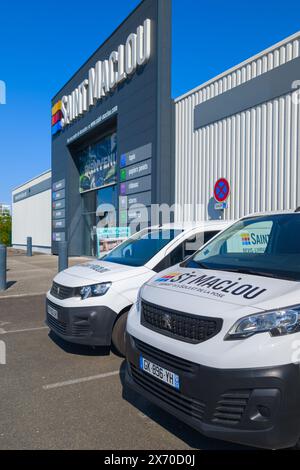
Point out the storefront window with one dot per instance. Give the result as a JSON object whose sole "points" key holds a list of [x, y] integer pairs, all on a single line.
{"points": [[97, 167]]}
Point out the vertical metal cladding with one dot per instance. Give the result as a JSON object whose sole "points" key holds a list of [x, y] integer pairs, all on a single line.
{"points": [[257, 150]]}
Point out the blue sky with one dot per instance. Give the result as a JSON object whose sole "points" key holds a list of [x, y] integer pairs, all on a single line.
{"points": [[40, 48]]}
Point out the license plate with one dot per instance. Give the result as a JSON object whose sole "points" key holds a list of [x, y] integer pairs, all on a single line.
{"points": [[52, 312], [160, 373]]}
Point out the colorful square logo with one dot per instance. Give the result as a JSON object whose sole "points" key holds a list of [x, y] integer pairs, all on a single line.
{"points": [[122, 161], [167, 277], [123, 189], [56, 118], [123, 175], [245, 239]]}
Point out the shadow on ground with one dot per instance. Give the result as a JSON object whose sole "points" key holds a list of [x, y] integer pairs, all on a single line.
{"points": [[79, 349]]}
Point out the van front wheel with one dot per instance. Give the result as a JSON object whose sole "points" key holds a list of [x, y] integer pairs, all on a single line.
{"points": [[118, 334]]}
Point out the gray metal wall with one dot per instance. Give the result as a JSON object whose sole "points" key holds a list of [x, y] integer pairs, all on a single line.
{"points": [[143, 116], [242, 125]]}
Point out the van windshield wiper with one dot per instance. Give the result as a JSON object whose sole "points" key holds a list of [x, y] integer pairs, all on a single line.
{"points": [[251, 271], [248, 271], [201, 265]]}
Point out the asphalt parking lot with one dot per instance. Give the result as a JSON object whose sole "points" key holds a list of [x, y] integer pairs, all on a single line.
{"points": [[60, 396]]}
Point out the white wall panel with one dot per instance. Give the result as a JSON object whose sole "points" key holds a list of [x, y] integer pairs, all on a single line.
{"points": [[32, 218]]}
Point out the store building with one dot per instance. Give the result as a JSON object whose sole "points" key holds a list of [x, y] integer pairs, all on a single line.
{"points": [[119, 139], [112, 133], [243, 125], [31, 213]]}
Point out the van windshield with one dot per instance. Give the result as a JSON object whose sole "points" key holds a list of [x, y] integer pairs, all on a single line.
{"points": [[141, 247], [264, 246]]}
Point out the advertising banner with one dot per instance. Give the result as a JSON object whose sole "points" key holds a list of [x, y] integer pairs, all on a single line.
{"points": [[98, 164]]}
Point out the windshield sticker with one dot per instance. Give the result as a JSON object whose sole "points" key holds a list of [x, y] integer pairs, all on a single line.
{"points": [[210, 285], [96, 267]]}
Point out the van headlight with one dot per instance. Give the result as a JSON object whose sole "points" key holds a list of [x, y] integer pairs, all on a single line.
{"points": [[278, 323], [138, 304], [95, 290]]}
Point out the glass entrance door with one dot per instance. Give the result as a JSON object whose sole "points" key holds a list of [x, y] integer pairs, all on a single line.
{"points": [[89, 222]]}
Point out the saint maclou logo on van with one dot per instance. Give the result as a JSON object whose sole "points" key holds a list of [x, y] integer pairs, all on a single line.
{"points": [[256, 239], [212, 285], [96, 267]]}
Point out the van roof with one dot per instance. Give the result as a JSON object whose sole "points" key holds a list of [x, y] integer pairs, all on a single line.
{"points": [[262, 214], [204, 225]]}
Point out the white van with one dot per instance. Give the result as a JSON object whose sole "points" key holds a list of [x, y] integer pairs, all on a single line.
{"points": [[88, 304], [216, 339]]}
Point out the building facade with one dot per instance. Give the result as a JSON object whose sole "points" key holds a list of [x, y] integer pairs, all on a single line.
{"points": [[112, 133]]}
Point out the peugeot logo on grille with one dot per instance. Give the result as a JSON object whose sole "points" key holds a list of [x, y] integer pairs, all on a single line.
{"points": [[167, 321], [58, 289]]}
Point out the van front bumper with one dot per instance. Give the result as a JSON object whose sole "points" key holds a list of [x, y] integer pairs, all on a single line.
{"points": [[255, 407], [82, 325]]}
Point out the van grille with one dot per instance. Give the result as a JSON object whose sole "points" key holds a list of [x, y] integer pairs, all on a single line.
{"points": [[168, 359], [231, 407], [182, 326], [55, 324], [80, 330], [62, 292], [165, 393]]}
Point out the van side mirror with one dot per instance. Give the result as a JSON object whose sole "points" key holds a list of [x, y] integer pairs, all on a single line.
{"points": [[192, 239]]}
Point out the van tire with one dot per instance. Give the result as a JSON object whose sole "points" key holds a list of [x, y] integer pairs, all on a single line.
{"points": [[118, 334]]}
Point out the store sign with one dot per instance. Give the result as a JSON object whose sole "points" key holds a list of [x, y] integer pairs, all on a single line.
{"points": [[136, 156], [56, 195], [138, 185], [136, 171], [61, 204], [59, 236], [60, 214], [104, 77]]}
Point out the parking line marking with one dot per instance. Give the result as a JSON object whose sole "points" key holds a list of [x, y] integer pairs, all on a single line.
{"points": [[81, 380], [5, 332]]}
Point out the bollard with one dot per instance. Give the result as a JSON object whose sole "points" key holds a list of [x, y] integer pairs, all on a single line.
{"points": [[2, 267], [63, 261], [29, 246]]}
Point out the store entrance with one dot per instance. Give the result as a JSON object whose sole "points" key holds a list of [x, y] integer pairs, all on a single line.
{"points": [[99, 214], [89, 222], [96, 161]]}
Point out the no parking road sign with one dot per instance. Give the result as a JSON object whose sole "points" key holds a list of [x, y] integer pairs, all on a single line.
{"points": [[221, 190]]}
